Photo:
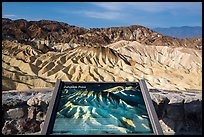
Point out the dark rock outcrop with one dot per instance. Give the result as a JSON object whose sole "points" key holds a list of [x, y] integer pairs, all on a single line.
{"points": [[58, 32], [179, 113]]}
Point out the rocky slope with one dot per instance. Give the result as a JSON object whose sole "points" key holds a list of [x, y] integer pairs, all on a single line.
{"points": [[58, 32], [174, 68], [24, 67], [164, 67]]}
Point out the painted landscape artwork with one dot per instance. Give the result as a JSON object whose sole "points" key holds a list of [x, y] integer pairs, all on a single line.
{"points": [[102, 108]]}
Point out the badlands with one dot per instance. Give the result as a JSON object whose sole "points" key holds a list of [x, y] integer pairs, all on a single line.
{"points": [[37, 53], [163, 67]]}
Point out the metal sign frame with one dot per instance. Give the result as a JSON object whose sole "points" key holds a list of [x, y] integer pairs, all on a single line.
{"points": [[52, 109]]}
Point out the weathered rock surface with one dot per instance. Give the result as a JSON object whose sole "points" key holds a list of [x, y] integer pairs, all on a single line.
{"points": [[15, 113], [32, 111], [59, 32], [36, 101], [9, 128], [41, 116], [164, 67], [178, 112], [25, 116]]}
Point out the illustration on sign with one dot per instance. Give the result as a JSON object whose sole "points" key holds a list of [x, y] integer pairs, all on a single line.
{"points": [[101, 108]]}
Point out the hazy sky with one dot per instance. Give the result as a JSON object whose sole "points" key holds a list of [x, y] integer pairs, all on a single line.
{"points": [[108, 14]]}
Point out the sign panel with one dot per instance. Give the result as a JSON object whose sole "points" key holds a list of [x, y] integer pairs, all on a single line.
{"points": [[101, 108]]}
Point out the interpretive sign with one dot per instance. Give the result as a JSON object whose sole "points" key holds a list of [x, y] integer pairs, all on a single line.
{"points": [[78, 108]]}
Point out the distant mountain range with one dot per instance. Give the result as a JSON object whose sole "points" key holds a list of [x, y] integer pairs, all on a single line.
{"points": [[181, 32]]}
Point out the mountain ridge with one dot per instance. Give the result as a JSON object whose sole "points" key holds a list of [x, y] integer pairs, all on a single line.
{"points": [[181, 32], [59, 32]]}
